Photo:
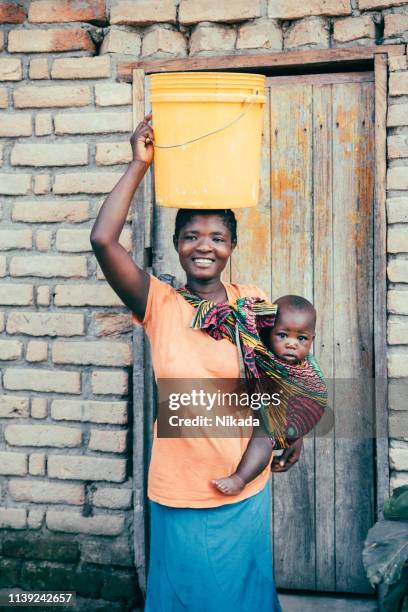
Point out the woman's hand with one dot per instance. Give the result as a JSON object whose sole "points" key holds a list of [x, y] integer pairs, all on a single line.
{"points": [[142, 142], [289, 457]]}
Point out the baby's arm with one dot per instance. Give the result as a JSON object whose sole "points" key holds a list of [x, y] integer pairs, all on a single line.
{"points": [[254, 460]]}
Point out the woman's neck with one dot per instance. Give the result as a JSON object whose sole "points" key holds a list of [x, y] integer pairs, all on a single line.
{"points": [[212, 290]]}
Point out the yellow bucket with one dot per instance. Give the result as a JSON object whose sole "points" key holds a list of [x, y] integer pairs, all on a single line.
{"points": [[208, 131]]}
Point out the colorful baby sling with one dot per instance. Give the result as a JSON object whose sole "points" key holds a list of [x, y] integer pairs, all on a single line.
{"points": [[302, 389]]}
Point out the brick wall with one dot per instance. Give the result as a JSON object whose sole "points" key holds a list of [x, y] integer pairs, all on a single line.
{"points": [[397, 245], [65, 346]]}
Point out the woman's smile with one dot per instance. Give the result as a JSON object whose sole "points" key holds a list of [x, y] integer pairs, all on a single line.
{"points": [[203, 262]]}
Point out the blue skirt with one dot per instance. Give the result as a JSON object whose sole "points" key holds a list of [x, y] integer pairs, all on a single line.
{"points": [[212, 559]]}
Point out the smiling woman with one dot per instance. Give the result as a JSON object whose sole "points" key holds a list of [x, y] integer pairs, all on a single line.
{"points": [[208, 551], [204, 241]]}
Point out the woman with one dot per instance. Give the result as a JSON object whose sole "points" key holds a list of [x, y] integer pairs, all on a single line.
{"points": [[208, 552]]}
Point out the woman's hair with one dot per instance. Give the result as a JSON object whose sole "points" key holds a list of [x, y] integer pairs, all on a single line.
{"points": [[184, 216]]}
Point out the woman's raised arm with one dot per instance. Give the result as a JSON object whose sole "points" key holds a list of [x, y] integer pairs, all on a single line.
{"points": [[130, 282]]}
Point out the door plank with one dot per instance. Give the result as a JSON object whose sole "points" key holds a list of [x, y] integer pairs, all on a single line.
{"points": [[380, 288], [292, 272], [262, 62], [323, 346], [353, 288], [322, 79], [148, 208], [141, 210], [165, 258], [251, 260]]}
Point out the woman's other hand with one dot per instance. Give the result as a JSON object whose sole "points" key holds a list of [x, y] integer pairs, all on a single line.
{"points": [[142, 142], [289, 457]]}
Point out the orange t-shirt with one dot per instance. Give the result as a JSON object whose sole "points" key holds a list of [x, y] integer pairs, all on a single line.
{"points": [[181, 469]]}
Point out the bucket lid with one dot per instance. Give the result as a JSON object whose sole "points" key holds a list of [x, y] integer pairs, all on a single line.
{"points": [[205, 80]]}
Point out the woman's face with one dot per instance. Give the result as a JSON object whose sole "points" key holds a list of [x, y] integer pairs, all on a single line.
{"points": [[204, 246]]}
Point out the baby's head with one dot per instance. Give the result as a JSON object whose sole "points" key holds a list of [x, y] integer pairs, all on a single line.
{"points": [[291, 337]]}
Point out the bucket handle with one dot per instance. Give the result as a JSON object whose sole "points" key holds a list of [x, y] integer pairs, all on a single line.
{"points": [[250, 100]]}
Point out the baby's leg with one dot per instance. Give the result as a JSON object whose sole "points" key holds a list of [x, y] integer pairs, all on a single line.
{"points": [[254, 460]]}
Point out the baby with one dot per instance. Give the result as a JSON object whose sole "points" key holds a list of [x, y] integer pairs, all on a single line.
{"points": [[290, 339]]}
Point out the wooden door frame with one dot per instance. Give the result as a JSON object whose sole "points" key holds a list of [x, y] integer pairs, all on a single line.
{"points": [[328, 60]]}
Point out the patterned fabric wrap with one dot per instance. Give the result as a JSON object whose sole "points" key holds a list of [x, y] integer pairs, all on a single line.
{"points": [[302, 388]]}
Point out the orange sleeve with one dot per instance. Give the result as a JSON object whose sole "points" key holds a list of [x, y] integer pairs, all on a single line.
{"points": [[159, 293]]}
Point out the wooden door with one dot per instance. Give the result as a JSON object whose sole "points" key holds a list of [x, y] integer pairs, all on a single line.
{"points": [[312, 235]]}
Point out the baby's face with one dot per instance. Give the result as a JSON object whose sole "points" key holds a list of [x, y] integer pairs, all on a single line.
{"points": [[292, 335]]}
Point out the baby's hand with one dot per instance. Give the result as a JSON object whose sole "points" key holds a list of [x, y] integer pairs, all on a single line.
{"points": [[289, 457]]}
